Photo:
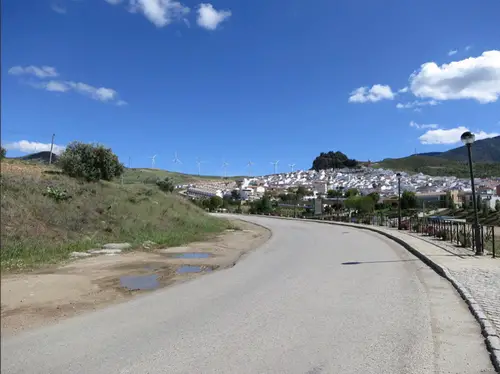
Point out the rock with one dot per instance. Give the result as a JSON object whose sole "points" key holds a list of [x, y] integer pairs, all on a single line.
{"points": [[105, 251], [148, 244], [121, 246], [79, 254]]}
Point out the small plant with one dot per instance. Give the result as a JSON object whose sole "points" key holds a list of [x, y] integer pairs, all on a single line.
{"points": [[3, 152], [57, 194]]}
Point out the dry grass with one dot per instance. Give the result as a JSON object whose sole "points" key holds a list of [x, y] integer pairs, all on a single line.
{"points": [[38, 230]]}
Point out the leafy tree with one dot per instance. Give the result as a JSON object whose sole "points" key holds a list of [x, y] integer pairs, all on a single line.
{"points": [[375, 196], [215, 202], [352, 192], [334, 193], [166, 185], [91, 162], [408, 200], [497, 205], [3, 152], [363, 204], [261, 206], [301, 192]]}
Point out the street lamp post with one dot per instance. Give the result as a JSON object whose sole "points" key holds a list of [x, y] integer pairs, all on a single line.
{"points": [[398, 175], [468, 138]]}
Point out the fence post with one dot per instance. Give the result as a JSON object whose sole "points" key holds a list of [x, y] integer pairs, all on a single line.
{"points": [[493, 241]]}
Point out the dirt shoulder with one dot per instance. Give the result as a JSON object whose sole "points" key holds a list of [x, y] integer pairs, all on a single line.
{"points": [[47, 296]]}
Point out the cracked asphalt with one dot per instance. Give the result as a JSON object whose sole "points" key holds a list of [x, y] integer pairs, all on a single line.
{"points": [[313, 299]]}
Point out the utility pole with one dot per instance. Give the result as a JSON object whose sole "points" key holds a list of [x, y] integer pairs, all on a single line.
{"points": [[129, 162], [51, 148]]}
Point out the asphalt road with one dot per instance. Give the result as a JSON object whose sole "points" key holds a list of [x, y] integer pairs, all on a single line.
{"points": [[292, 306]]}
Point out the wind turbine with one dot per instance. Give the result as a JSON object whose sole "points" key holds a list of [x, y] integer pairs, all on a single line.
{"points": [[275, 163], [153, 161], [292, 166], [224, 166], [249, 165], [176, 159], [199, 162]]}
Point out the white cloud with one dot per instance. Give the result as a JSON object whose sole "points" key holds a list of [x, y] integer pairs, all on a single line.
{"points": [[376, 93], [26, 146], [39, 72], [403, 90], [102, 94], [452, 52], [419, 126], [160, 12], [55, 86], [209, 18], [476, 78], [58, 8], [468, 47], [417, 104], [451, 136]]}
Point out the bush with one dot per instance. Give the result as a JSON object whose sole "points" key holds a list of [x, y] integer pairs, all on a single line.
{"points": [[166, 185], [3, 152], [91, 162]]}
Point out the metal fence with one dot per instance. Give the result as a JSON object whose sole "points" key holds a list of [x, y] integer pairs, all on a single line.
{"points": [[460, 234]]}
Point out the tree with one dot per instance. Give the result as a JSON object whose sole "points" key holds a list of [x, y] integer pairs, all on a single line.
{"points": [[334, 193], [215, 202], [375, 196], [261, 206], [362, 204], [352, 192], [408, 200], [301, 192], [166, 185], [3, 152], [497, 205], [91, 162]]}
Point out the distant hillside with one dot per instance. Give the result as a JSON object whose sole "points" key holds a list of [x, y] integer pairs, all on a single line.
{"points": [[439, 166], [486, 150], [42, 157], [149, 176]]}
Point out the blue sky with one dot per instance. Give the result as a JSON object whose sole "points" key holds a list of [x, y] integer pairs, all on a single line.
{"points": [[257, 80]]}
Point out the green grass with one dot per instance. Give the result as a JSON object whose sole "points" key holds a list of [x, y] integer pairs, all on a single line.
{"points": [[149, 176], [38, 230], [436, 166]]}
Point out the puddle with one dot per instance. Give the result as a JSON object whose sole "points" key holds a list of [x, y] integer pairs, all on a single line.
{"points": [[191, 255], [140, 282], [192, 269]]}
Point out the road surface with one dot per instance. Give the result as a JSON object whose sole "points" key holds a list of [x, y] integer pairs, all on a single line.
{"points": [[292, 306]]}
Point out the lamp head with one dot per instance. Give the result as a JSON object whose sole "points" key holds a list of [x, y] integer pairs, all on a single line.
{"points": [[467, 138]]}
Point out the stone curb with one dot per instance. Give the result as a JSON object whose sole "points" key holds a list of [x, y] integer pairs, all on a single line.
{"points": [[492, 338]]}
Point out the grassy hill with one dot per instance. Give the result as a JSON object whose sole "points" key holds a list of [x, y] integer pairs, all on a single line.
{"points": [[486, 150], [41, 226], [149, 176], [438, 166]]}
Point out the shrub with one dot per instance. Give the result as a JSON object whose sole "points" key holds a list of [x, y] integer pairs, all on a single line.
{"points": [[57, 194], [91, 162], [3, 152], [166, 185]]}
